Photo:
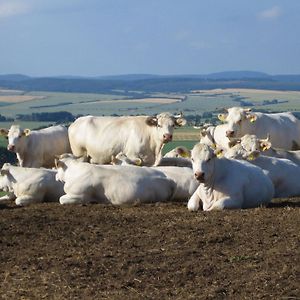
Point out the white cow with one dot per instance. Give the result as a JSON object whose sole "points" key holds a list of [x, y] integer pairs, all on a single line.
{"points": [[283, 128], [183, 177], [37, 148], [227, 183], [284, 173], [141, 137], [293, 156], [185, 181], [214, 136], [118, 185], [252, 143], [29, 185], [179, 151], [186, 184]]}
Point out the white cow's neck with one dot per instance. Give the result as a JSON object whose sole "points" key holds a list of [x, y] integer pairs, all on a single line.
{"points": [[210, 181]]}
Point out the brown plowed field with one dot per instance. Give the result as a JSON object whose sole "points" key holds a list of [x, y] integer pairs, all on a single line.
{"points": [[161, 251]]}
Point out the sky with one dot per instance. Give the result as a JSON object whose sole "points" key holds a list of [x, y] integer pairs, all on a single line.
{"points": [[166, 37]]}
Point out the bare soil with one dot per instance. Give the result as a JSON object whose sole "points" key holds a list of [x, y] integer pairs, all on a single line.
{"points": [[157, 251]]}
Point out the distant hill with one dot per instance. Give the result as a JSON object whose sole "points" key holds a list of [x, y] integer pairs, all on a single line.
{"points": [[151, 83], [14, 77]]}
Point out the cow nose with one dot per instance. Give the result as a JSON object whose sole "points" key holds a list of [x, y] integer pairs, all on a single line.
{"points": [[229, 133], [199, 176], [167, 137], [11, 148]]}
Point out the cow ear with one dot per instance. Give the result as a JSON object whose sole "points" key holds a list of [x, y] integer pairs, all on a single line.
{"points": [[184, 152], [4, 172], [251, 117], [203, 133], [60, 164], [26, 132], [3, 131], [233, 142], [219, 152], [222, 117], [114, 160], [252, 156], [265, 144], [180, 121], [151, 121]]}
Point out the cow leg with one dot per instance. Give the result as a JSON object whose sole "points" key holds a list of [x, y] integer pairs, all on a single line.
{"points": [[25, 200], [71, 199], [193, 204], [226, 203]]}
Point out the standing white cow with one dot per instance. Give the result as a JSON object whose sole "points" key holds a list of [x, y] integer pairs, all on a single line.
{"points": [[227, 183], [29, 185], [139, 137], [85, 183], [283, 128], [37, 148]]}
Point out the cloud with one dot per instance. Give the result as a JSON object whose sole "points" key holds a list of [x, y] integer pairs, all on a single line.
{"points": [[9, 8], [272, 13]]}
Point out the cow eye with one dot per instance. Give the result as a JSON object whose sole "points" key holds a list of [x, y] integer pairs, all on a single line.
{"points": [[159, 126], [6, 137]]}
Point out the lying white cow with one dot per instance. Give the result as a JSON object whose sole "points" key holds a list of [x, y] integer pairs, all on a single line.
{"points": [[139, 137], [29, 185], [284, 173], [118, 185], [186, 184], [214, 136], [283, 128], [183, 177], [179, 151], [293, 156], [227, 183], [252, 143], [37, 148]]}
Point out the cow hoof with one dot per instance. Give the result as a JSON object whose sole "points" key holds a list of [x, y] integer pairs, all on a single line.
{"points": [[192, 206]]}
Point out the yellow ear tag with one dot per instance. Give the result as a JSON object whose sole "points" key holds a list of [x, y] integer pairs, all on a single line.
{"points": [[253, 119], [138, 162], [219, 154], [265, 148], [214, 146], [185, 155], [251, 157]]}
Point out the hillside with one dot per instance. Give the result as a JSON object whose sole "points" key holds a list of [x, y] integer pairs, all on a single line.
{"points": [[151, 83]]}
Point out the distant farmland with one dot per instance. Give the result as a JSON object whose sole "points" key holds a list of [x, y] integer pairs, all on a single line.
{"points": [[193, 103]]}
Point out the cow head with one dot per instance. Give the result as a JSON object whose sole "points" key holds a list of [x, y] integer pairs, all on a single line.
{"points": [[16, 137], [248, 147], [236, 118], [165, 124], [6, 179], [61, 168], [179, 151], [203, 158], [207, 135]]}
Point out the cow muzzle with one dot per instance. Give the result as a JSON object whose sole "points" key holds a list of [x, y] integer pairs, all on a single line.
{"points": [[167, 137], [229, 133], [11, 148], [199, 176]]}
